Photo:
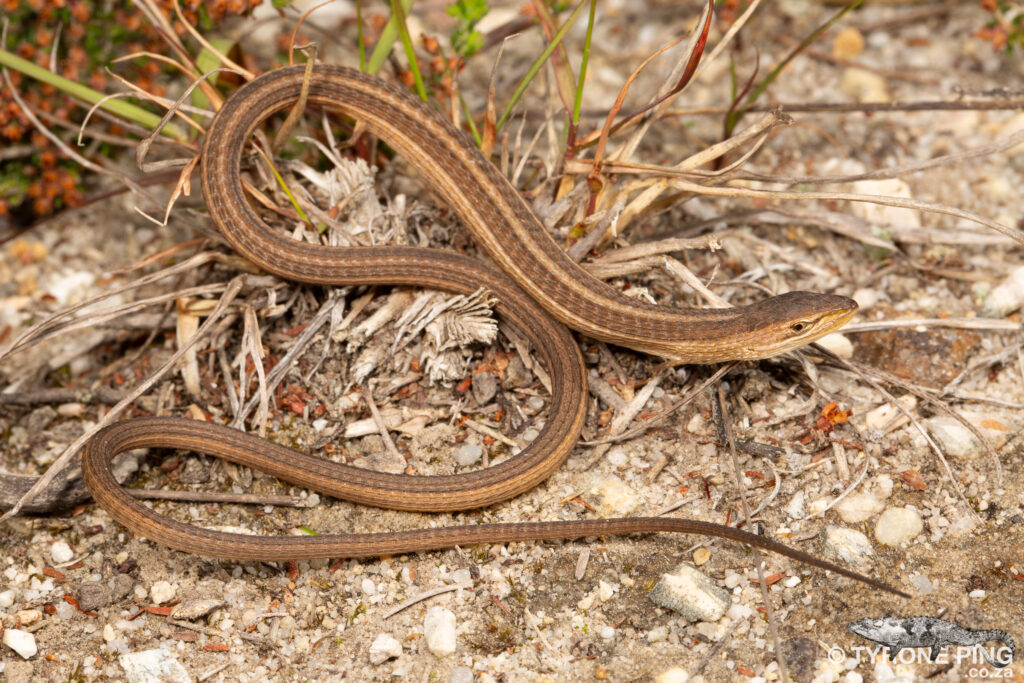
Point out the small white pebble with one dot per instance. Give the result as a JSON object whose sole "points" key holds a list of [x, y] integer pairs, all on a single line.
{"points": [[28, 616], [607, 632], [657, 634], [61, 552], [898, 525], [22, 642], [368, 587], [162, 592], [439, 631], [468, 454], [6, 598], [977, 594]]}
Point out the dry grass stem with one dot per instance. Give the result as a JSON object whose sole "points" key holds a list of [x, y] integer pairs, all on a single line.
{"points": [[65, 457], [725, 430]]}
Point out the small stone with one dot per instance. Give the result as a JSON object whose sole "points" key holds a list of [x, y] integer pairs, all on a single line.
{"points": [[194, 472], [384, 647], [194, 609], [151, 666], [922, 583], [797, 506], [607, 633], [368, 586], [614, 499], [701, 555], [1007, 296], [866, 298], [468, 454], [673, 675], [898, 525], [605, 591], [22, 642], [864, 86], [617, 456], [484, 386], [859, 507], [690, 593], [847, 546], [439, 631], [121, 585], [885, 215], [162, 592], [534, 405], [61, 552], [26, 617], [93, 596], [516, 374], [848, 43], [889, 416], [460, 674], [657, 634], [6, 598], [960, 442], [838, 344]]}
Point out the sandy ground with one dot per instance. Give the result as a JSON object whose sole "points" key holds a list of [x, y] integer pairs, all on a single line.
{"points": [[96, 599]]}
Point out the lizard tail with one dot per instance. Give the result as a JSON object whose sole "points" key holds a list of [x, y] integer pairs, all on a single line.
{"points": [[1004, 638]]}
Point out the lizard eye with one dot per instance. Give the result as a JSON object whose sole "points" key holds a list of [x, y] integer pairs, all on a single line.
{"points": [[799, 326]]}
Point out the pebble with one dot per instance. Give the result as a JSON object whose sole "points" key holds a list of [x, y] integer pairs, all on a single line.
{"points": [[657, 634], [690, 593], [439, 631], [866, 298], [837, 344], [673, 675], [460, 674], [959, 442], [368, 586], [534, 405], [484, 386], [847, 546], [897, 525], [385, 647], [864, 86], [617, 456], [22, 642], [26, 617], [797, 506], [194, 609], [6, 598], [848, 43], [607, 632], [614, 499], [922, 583], [468, 454], [885, 215], [1007, 296], [880, 417], [162, 592], [858, 507], [153, 666], [93, 596], [61, 552]]}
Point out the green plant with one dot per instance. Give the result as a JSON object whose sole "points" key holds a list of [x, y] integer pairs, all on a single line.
{"points": [[79, 39], [1006, 29], [466, 40]]}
